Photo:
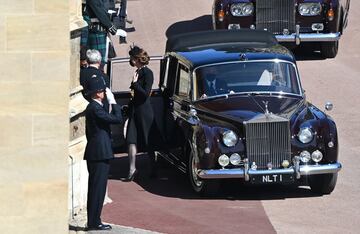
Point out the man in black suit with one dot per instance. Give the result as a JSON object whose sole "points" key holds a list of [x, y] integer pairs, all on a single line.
{"points": [[212, 84], [94, 64], [98, 150]]}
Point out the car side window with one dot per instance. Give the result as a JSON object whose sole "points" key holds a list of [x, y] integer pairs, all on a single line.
{"points": [[165, 75], [168, 84], [183, 84]]}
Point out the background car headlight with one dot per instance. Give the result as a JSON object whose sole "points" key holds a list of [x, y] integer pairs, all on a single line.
{"points": [[223, 160], [242, 9], [305, 135], [310, 9], [229, 138]]}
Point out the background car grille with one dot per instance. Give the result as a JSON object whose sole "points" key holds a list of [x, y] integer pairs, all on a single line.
{"points": [[268, 140], [275, 15]]}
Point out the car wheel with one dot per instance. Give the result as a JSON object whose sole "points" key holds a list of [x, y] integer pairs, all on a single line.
{"points": [[329, 49], [324, 183], [202, 187]]}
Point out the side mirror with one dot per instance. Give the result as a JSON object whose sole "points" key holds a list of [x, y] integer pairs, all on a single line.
{"points": [[329, 106]]}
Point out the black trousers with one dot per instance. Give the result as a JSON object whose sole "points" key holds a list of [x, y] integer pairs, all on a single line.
{"points": [[98, 175], [122, 14]]}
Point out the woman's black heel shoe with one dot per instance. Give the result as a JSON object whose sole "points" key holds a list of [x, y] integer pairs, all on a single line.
{"points": [[131, 176]]}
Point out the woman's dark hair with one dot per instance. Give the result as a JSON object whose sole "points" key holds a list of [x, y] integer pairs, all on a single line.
{"points": [[140, 54]]}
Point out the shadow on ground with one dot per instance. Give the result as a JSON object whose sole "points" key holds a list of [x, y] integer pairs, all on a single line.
{"points": [[171, 182], [308, 51]]}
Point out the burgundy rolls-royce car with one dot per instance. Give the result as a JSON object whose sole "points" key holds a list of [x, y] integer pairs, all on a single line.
{"points": [[231, 105], [291, 21]]}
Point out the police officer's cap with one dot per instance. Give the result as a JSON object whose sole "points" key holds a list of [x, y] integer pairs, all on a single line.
{"points": [[95, 84]]}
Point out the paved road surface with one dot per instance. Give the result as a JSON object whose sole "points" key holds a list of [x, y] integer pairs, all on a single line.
{"points": [[167, 204]]}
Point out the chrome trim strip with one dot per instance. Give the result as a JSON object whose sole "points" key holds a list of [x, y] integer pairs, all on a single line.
{"points": [[306, 37], [240, 173]]}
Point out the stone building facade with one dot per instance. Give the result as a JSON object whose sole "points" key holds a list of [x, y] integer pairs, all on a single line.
{"points": [[38, 79]]}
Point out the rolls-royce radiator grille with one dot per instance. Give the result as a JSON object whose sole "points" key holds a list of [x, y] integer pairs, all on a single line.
{"points": [[268, 142], [275, 15]]}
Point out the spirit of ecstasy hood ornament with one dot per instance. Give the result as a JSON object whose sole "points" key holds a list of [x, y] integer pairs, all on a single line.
{"points": [[266, 107]]}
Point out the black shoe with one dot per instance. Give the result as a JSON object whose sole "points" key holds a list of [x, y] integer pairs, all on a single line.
{"points": [[102, 226], [131, 176]]}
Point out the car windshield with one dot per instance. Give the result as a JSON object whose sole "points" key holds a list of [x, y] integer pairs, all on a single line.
{"points": [[246, 77]]}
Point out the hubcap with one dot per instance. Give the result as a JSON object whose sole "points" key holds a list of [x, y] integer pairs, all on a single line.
{"points": [[194, 171]]}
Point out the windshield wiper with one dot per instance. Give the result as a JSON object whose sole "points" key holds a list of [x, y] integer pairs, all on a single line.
{"points": [[213, 97]]}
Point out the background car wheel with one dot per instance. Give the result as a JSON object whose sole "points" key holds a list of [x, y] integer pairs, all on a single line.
{"points": [[324, 183], [202, 187], [329, 49]]}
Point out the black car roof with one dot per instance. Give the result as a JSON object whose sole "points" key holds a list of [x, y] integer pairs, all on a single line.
{"points": [[204, 47]]}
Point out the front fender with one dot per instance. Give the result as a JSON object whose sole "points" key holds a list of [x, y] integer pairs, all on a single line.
{"points": [[324, 129], [210, 146]]}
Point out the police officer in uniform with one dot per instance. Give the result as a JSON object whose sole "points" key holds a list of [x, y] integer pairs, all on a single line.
{"points": [[98, 150]]}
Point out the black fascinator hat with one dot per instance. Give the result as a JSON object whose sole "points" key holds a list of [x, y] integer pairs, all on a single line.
{"points": [[139, 54], [135, 50]]}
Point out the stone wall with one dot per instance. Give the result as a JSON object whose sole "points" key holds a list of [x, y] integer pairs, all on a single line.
{"points": [[78, 175], [34, 115]]}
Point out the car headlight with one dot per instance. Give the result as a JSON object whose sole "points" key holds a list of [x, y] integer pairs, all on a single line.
{"points": [[235, 159], [229, 138], [223, 160], [316, 156], [242, 9], [305, 156], [310, 9], [305, 135]]}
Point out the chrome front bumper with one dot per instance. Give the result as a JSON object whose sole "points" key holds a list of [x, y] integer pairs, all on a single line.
{"points": [[298, 37], [308, 37], [296, 170]]}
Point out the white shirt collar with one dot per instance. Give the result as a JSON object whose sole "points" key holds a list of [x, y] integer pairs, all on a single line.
{"points": [[94, 66], [211, 82], [100, 103]]}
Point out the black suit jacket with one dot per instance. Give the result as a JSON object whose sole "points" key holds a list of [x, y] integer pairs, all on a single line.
{"points": [[97, 9], [88, 73], [98, 135], [220, 88]]}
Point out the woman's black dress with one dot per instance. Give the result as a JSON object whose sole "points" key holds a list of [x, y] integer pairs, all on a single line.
{"points": [[141, 115]]}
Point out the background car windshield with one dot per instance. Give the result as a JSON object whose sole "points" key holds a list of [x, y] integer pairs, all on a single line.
{"points": [[269, 76]]}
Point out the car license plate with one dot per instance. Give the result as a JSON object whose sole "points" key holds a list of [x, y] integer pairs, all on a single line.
{"points": [[272, 179]]}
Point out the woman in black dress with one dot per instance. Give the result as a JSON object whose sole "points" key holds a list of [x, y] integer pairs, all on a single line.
{"points": [[141, 115]]}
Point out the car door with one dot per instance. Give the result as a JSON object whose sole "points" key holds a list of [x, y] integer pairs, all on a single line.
{"points": [[121, 74], [178, 85]]}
